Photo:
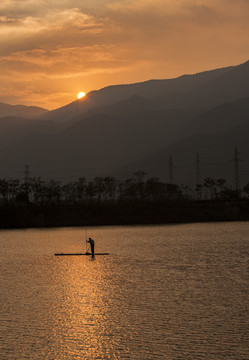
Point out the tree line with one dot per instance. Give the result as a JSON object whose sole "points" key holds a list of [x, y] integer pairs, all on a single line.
{"points": [[38, 191]]}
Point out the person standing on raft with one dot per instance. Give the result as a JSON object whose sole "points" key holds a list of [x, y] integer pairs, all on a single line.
{"points": [[91, 241]]}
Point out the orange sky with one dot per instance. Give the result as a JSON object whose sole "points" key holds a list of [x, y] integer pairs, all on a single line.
{"points": [[52, 49]]}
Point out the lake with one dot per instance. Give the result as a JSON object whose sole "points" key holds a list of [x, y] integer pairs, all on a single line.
{"points": [[164, 292]]}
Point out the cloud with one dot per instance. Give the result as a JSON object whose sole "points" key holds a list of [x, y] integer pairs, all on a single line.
{"points": [[101, 41], [54, 29]]}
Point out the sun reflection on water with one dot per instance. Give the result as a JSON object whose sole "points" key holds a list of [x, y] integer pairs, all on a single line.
{"points": [[84, 294], [164, 293]]}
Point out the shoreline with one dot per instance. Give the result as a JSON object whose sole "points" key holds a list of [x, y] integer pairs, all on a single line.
{"points": [[14, 216]]}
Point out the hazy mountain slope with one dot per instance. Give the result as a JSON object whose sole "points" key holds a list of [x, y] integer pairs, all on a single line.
{"points": [[122, 124], [96, 144], [137, 107], [21, 111], [226, 87], [130, 134], [133, 104], [218, 119], [216, 153], [13, 129], [167, 93]]}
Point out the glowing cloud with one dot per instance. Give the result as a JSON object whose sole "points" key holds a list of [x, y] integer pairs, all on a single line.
{"points": [[49, 48]]}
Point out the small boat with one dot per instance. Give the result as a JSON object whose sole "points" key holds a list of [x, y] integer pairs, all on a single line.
{"points": [[78, 254]]}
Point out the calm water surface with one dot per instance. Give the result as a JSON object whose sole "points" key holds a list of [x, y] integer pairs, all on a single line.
{"points": [[164, 292]]}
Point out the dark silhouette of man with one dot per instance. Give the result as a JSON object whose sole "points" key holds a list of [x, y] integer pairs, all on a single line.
{"points": [[91, 242]]}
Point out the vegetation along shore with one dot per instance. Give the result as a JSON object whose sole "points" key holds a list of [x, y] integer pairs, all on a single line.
{"points": [[107, 201]]}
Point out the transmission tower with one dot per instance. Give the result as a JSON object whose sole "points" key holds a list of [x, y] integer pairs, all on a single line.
{"points": [[236, 161], [171, 170]]}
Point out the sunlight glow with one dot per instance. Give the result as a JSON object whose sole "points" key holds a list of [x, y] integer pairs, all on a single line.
{"points": [[81, 95]]}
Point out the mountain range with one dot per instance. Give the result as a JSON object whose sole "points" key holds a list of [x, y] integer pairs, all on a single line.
{"points": [[121, 129], [21, 111]]}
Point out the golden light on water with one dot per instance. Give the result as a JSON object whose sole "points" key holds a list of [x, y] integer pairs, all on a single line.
{"points": [[81, 95]]}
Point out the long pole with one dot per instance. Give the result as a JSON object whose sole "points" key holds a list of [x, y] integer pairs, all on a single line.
{"points": [[86, 238]]}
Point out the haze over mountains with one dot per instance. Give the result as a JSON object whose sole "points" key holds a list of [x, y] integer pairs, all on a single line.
{"points": [[121, 129], [21, 111]]}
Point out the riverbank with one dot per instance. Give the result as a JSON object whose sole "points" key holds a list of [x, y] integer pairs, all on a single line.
{"points": [[121, 213]]}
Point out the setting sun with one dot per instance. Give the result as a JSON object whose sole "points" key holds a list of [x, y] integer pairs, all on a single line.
{"points": [[81, 95]]}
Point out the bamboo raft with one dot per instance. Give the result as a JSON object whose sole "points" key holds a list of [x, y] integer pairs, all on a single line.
{"points": [[79, 254]]}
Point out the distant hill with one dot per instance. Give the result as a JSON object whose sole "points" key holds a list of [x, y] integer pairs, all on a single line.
{"points": [[21, 111], [133, 104], [204, 90], [14, 128], [98, 144], [218, 119], [216, 158], [121, 129], [95, 144]]}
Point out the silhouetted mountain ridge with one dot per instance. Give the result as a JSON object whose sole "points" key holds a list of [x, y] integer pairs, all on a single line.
{"points": [[97, 144], [187, 91], [216, 157], [221, 117], [121, 125], [21, 111], [13, 128]]}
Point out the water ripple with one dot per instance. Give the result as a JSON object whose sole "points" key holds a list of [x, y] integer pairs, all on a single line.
{"points": [[165, 292]]}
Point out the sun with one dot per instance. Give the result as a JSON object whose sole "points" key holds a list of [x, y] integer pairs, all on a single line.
{"points": [[81, 95]]}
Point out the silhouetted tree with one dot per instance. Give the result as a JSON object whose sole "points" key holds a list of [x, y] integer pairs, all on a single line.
{"points": [[127, 190], [38, 188], [69, 192], [90, 191], [4, 189], [53, 191], [99, 187], [198, 190], [81, 185], [173, 191], [14, 188], [139, 184], [220, 183], [186, 192], [246, 189], [209, 184], [110, 184], [154, 189]]}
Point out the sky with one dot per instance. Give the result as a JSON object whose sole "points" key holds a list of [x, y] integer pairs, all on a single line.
{"points": [[50, 50]]}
